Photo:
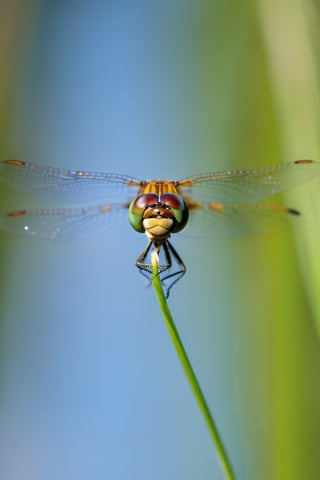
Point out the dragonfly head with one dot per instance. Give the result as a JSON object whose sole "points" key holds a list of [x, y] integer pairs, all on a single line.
{"points": [[158, 215]]}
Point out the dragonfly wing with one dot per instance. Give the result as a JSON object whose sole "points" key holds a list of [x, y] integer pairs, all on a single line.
{"points": [[99, 224], [242, 186], [69, 186], [217, 220]]}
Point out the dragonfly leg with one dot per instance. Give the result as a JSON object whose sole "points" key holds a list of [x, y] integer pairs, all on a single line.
{"points": [[169, 253], [169, 250], [147, 267], [140, 262]]}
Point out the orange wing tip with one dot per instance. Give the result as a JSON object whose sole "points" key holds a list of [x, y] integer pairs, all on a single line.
{"points": [[105, 208], [16, 163], [217, 207], [17, 213], [280, 208], [303, 162]]}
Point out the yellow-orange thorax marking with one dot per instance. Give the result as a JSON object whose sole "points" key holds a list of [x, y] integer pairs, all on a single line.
{"points": [[159, 187]]}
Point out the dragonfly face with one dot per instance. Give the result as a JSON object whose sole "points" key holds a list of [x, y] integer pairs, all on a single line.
{"points": [[217, 204], [158, 215]]}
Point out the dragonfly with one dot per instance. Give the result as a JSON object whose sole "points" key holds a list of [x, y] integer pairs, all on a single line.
{"points": [[97, 205]]}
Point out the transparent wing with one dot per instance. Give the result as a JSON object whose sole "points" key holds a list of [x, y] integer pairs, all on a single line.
{"points": [[217, 220], [68, 186], [241, 186], [99, 224]]}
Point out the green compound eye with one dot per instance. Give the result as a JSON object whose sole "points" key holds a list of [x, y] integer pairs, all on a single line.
{"points": [[137, 209], [179, 209]]}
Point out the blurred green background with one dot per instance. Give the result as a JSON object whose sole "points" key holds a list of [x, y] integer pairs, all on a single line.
{"points": [[90, 384]]}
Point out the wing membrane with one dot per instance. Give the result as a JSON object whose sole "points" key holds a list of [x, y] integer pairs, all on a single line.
{"points": [[67, 185], [100, 224], [216, 220], [242, 186]]}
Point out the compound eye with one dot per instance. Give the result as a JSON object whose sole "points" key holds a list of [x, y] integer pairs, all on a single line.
{"points": [[178, 208], [144, 201], [173, 201], [137, 208]]}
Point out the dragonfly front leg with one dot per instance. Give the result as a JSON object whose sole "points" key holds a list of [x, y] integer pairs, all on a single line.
{"points": [[168, 249], [140, 262], [147, 267], [168, 253]]}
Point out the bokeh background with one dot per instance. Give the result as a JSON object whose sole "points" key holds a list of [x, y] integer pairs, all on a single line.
{"points": [[90, 384]]}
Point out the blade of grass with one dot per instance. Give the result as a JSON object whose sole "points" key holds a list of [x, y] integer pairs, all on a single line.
{"points": [[290, 30], [189, 372]]}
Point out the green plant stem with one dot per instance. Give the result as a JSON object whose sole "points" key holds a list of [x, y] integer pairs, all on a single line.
{"points": [[189, 372]]}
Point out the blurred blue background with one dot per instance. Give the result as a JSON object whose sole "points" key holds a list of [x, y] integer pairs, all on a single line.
{"points": [[90, 383]]}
